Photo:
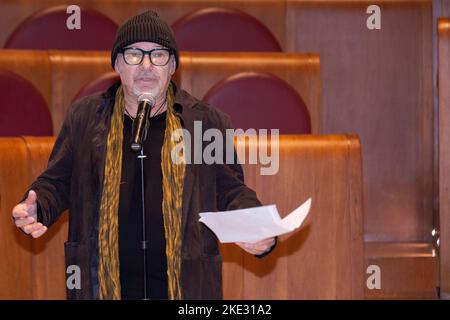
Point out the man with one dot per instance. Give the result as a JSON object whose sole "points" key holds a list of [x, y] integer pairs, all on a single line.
{"points": [[93, 172]]}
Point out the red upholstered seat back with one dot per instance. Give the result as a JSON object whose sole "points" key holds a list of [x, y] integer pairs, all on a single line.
{"points": [[47, 29], [100, 84], [23, 110], [221, 29], [260, 101]]}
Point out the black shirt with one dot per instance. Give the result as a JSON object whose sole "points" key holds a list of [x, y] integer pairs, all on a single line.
{"points": [[130, 215]]}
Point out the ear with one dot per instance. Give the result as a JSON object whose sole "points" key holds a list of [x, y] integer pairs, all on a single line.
{"points": [[117, 64], [173, 65]]}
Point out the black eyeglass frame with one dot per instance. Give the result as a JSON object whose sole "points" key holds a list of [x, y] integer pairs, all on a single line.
{"points": [[145, 52]]}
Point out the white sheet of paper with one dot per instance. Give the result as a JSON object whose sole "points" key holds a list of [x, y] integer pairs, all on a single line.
{"points": [[253, 224]]}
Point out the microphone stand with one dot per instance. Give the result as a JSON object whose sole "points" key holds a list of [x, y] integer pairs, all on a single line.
{"points": [[145, 103], [144, 242]]}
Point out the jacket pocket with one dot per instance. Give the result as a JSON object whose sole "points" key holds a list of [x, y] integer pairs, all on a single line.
{"points": [[201, 277], [212, 277]]}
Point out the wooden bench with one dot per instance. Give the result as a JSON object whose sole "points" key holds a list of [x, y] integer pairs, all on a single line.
{"points": [[35, 268], [59, 75], [324, 260]]}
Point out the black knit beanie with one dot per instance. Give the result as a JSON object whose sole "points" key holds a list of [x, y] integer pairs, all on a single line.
{"points": [[145, 27]]}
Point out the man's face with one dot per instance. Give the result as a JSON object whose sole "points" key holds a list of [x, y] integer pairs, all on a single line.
{"points": [[145, 77]]}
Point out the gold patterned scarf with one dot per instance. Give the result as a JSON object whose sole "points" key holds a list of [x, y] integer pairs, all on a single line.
{"points": [[172, 184]]}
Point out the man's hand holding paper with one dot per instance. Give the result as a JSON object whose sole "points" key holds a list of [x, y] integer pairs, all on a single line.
{"points": [[259, 247], [254, 229]]}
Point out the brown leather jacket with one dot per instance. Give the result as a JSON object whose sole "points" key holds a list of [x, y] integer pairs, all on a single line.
{"points": [[73, 180]]}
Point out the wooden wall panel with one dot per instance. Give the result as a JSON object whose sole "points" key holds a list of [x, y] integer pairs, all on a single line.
{"points": [[378, 84], [407, 270], [443, 6], [444, 155]]}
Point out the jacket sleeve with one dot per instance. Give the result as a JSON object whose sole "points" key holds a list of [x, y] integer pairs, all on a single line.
{"points": [[232, 192], [52, 187]]}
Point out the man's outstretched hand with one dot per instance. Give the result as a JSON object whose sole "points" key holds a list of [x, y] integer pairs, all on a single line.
{"points": [[25, 216]]}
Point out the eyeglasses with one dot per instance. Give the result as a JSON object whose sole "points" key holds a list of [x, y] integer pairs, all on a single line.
{"points": [[158, 56]]}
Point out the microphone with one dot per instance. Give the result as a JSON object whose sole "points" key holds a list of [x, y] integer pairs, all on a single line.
{"points": [[146, 101]]}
